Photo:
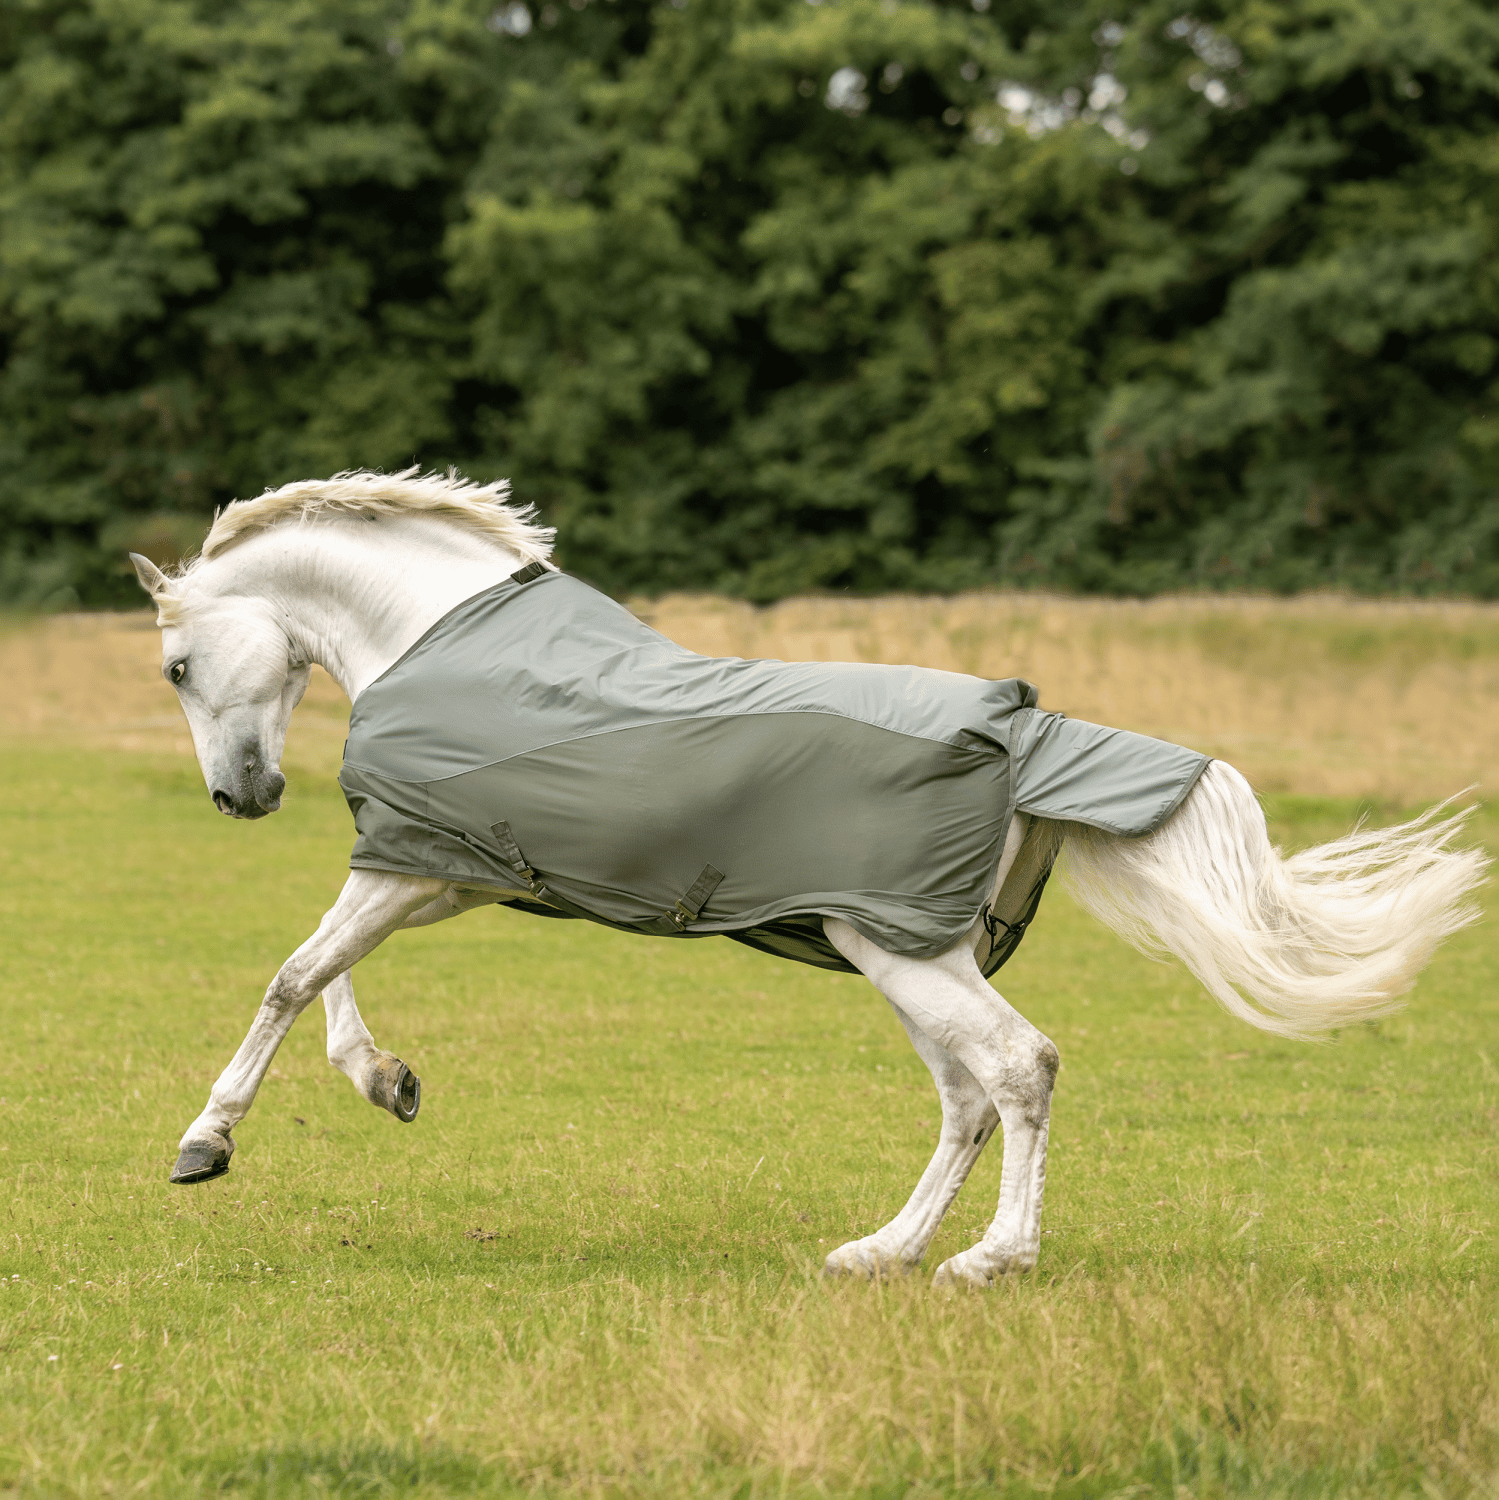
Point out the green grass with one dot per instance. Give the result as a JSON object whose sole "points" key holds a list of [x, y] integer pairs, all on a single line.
{"points": [[590, 1268]]}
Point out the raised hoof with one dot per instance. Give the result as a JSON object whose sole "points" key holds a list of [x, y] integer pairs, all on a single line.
{"points": [[397, 1089], [200, 1164]]}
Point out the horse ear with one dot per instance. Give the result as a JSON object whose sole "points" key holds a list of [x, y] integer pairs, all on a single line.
{"points": [[153, 580]]}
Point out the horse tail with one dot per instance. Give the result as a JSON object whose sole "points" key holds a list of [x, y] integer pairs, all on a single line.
{"points": [[1295, 946]]}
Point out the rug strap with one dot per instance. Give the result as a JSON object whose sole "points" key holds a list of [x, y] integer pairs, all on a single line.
{"points": [[510, 853], [675, 921], [690, 907]]}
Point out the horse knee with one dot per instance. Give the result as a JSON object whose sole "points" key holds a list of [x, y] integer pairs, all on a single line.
{"points": [[290, 993]]}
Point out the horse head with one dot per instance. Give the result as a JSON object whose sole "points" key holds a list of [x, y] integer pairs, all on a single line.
{"points": [[233, 667]]}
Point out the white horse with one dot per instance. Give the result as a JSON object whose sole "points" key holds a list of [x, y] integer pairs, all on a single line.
{"points": [[351, 572]]}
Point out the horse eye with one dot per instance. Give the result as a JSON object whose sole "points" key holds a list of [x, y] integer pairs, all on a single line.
{"points": [[178, 671]]}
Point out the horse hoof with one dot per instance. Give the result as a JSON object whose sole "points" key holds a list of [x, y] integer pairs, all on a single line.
{"points": [[200, 1164], [865, 1260], [983, 1265], [398, 1089], [408, 1095]]}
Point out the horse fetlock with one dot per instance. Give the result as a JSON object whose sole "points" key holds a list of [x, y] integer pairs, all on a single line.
{"points": [[354, 1058], [203, 1157], [390, 1084]]}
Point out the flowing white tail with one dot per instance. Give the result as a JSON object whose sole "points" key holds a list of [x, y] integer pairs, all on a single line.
{"points": [[1296, 946]]}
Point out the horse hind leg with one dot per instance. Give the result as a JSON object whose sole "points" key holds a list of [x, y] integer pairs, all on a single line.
{"points": [[968, 1121], [948, 999], [380, 1076]]}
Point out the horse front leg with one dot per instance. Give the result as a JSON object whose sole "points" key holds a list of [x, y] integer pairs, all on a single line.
{"points": [[948, 999], [370, 907], [381, 1076], [968, 1121]]}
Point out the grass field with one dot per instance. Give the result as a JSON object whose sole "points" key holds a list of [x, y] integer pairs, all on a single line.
{"points": [[590, 1268]]}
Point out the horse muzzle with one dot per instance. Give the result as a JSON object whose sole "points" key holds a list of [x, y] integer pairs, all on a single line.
{"points": [[258, 793]]}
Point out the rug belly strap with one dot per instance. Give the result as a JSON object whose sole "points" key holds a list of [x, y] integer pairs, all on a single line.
{"points": [[673, 923]]}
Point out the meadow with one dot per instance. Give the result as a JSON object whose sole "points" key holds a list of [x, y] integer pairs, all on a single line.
{"points": [[591, 1267]]}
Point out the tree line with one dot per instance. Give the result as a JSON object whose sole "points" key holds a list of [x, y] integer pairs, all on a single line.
{"points": [[766, 296]]}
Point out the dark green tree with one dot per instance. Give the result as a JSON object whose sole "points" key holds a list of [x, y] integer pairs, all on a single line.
{"points": [[1080, 297], [221, 257], [765, 295]]}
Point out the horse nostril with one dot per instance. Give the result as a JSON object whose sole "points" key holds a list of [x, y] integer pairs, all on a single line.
{"points": [[222, 801]]}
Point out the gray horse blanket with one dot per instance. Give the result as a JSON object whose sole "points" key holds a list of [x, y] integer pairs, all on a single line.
{"points": [[542, 742]]}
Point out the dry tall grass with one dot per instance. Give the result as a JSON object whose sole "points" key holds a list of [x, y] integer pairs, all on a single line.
{"points": [[834, 1392], [1317, 696]]}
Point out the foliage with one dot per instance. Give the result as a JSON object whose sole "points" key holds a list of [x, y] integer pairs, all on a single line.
{"points": [[763, 295]]}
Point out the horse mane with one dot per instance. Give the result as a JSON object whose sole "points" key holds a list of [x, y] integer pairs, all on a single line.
{"points": [[476, 507], [480, 508]]}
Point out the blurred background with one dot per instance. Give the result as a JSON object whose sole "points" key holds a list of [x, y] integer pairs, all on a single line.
{"points": [[763, 297]]}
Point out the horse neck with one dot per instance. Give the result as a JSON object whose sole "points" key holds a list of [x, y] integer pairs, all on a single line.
{"points": [[354, 597]]}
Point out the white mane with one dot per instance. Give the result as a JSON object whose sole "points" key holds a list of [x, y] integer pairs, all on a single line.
{"points": [[480, 508], [476, 507]]}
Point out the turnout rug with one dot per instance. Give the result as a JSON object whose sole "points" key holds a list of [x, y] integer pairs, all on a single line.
{"points": [[542, 742]]}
